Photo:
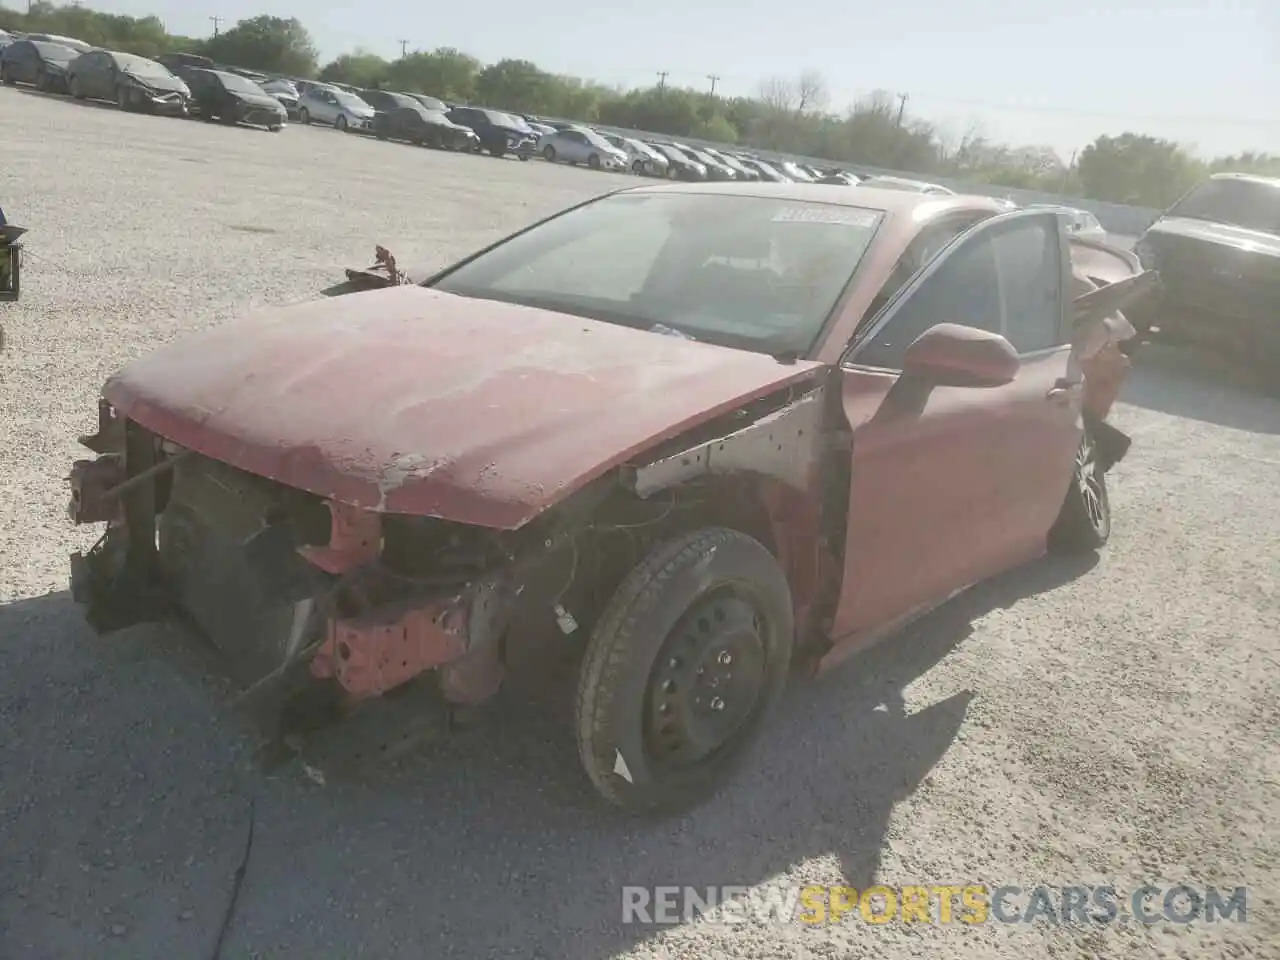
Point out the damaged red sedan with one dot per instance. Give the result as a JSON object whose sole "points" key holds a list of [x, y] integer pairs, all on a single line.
{"points": [[707, 431]]}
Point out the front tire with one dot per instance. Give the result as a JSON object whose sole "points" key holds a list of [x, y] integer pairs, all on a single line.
{"points": [[304, 116], [1084, 523], [123, 98], [549, 153], [340, 124], [77, 91], [638, 168], [686, 660]]}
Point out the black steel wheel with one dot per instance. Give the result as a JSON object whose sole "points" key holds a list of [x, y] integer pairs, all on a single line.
{"points": [[691, 652], [1084, 523]]}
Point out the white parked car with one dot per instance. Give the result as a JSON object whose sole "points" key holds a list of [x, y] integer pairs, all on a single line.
{"points": [[575, 145], [641, 157], [1079, 223], [902, 183], [327, 104]]}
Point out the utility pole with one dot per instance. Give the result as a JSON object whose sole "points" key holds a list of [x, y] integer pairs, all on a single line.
{"points": [[662, 79], [404, 44], [713, 78], [902, 106], [217, 22]]}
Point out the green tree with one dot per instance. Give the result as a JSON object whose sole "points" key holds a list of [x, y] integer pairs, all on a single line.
{"points": [[513, 85], [144, 36], [445, 72], [360, 69], [715, 128], [1137, 169], [269, 44]]}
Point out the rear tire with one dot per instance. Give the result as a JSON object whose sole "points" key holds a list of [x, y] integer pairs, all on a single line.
{"points": [[661, 720], [123, 97], [594, 161], [77, 92], [637, 168], [549, 153], [1084, 523]]}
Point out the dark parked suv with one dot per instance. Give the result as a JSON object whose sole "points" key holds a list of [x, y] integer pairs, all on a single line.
{"points": [[499, 133], [1218, 253]]}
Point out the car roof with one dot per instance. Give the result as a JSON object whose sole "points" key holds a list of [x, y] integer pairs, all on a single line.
{"points": [[898, 202], [1250, 177]]}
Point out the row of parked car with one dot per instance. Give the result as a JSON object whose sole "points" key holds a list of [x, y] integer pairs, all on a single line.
{"points": [[192, 85]]}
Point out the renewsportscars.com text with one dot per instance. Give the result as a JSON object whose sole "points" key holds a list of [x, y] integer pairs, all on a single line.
{"points": [[935, 903]]}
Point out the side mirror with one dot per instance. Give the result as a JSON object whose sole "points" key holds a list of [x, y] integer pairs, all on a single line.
{"points": [[953, 355]]}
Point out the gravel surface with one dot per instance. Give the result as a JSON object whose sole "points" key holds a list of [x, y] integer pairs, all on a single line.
{"points": [[1107, 722]]}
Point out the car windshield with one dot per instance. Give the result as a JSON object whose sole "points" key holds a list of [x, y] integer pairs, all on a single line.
{"points": [[280, 86], [596, 140], [238, 84], [54, 51], [1251, 204], [141, 66], [510, 120], [431, 103], [350, 100], [756, 273]]}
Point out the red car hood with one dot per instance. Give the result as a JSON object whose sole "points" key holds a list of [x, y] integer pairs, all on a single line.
{"points": [[405, 400]]}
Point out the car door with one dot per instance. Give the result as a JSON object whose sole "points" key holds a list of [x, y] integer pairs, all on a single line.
{"points": [[103, 74], [950, 485], [22, 60], [325, 106]]}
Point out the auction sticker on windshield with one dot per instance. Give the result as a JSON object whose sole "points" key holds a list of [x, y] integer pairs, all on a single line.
{"points": [[845, 216]]}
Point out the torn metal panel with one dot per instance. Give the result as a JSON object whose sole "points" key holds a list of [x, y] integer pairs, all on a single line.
{"points": [[783, 445], [372, 654]]}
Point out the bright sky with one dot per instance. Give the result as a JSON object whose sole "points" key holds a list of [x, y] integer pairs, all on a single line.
{"points": [[1205, 73]]}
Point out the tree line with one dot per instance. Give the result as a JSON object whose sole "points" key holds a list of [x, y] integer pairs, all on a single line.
{"points": [[791, 115]]}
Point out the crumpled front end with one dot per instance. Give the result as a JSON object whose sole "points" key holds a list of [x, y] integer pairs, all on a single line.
{"points": [[299, 595]]}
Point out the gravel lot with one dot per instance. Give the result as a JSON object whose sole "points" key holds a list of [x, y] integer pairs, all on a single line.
{"points": [[1103, 722]]}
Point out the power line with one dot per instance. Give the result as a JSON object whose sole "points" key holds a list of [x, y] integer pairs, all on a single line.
{"points": [[404, 44], [662, 79], [217, 22], [713, 78]]}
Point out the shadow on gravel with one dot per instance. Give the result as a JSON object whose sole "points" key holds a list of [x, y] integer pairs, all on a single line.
{"points": [[67, 98], [1183, 383], [125, 803]]}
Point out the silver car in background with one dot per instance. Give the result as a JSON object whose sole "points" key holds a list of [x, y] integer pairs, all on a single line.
{"points": [[903, 183], [324, 103], [575, 145], [641, 158], [1079, 223]]}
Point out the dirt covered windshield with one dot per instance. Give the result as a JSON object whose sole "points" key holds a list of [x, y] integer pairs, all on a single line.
{"points": [[1241, 203], [750, 272]]}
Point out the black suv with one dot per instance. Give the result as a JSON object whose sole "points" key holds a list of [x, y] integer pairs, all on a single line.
{"points": [[1218, 254], [499, 133]]}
